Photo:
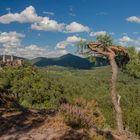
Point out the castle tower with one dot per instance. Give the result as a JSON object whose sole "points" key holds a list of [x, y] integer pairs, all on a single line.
{"points": [[3, 59], [12, 58]]}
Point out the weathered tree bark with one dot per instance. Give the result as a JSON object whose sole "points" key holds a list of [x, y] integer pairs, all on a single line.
{"points": [[114, 97], [110, 54]]}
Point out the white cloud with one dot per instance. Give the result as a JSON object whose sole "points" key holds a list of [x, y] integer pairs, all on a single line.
{"points": [[134, 19], [135, 33], [11, 39], [56, 53], [26, 16], [51, 25], [98, 33], [33, 51], [30, 51], [137, 43], [112, 33], [70, 41], [76, 27], [61, 45], [47, 25], [29, 15], [73, 39], [72, 14], [8, 9], [10, 43], [125, 39], [49, 13], [124, 34]]}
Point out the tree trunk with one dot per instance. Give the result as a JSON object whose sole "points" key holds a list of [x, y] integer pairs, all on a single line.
{"points": [[114, 97]]}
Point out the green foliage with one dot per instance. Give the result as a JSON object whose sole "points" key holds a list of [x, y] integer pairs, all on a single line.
{"points": [[133, 67], [106, 40], [98, 60], [43, 88], [81, 46]]}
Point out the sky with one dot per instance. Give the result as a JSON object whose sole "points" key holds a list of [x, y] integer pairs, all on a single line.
{"points": [[51, 28]]}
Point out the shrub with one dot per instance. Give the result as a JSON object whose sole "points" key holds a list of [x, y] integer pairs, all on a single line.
{"points": [[82, 114]]}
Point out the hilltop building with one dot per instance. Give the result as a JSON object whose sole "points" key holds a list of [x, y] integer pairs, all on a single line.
{"points": [[10, 60]]}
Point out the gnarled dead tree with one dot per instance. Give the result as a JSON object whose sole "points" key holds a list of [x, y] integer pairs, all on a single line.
{"points": [[117, 57]]}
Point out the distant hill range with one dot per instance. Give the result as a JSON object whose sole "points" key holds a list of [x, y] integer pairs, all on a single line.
{"points": [[70, 61], [67, 61]]}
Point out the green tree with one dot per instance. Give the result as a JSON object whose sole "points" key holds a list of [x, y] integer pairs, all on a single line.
{"points": [[104, 47], [133, 67], [106, 40]]}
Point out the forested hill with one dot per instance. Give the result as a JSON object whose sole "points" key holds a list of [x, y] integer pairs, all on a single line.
{"points": [[48, 87], [70, 61]]}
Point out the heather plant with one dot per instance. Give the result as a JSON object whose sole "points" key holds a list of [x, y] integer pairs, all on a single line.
{"points": [[82, 114]]}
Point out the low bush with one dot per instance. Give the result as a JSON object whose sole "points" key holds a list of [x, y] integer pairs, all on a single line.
{"points": [[82, 113]]}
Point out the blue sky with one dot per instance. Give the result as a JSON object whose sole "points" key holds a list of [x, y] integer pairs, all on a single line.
{"points": [[50, 28]]}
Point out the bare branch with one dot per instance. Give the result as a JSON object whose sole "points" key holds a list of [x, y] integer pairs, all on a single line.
{"points": [[98, 47], [93, 47]]}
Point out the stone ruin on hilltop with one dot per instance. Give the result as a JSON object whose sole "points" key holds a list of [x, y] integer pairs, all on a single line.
{"points": [[10, 60]]}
